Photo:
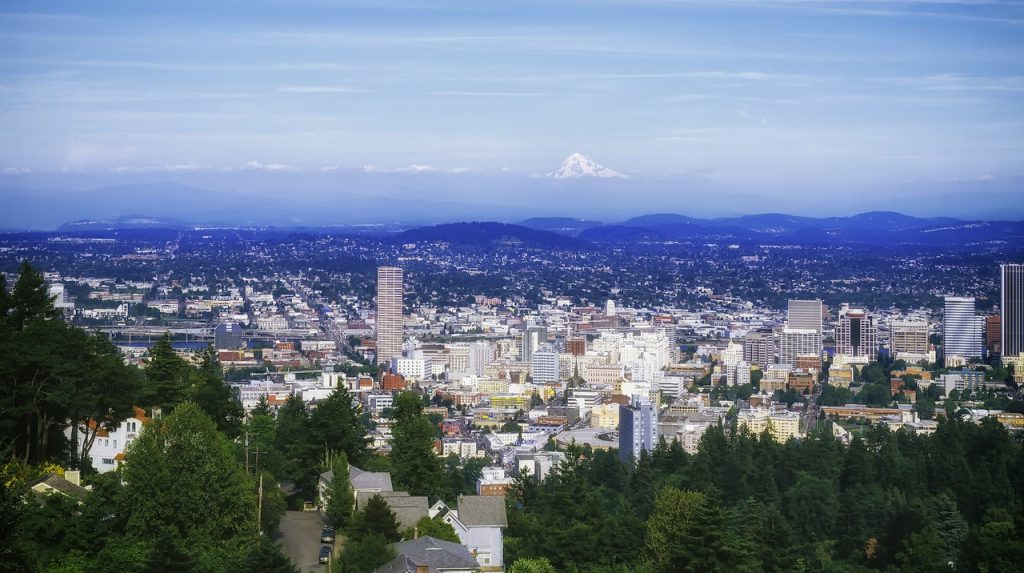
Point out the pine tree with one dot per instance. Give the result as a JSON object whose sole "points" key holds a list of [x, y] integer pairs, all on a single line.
{"points": [[378, 519], [266, 557], [166, 373], [416, 467], [30, 299], [340, 496]]}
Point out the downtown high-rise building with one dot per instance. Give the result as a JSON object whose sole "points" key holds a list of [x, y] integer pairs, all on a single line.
{"points": [[1011, 310], [533, 337], [804, 314], [908, 339], [759, 348], [856, 335], [962, 329], [389, 314], [638, 428], [798, 342]]}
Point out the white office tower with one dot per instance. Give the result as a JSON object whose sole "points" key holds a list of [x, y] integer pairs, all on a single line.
{"points": [[533, 337], [1011, 311], [481, 353], [962, 331], [609, 307], [544, 365], [731, 357], [857, 335], [742, 373], [638, 428], [804, 315], [794, 342], [389, 314]]}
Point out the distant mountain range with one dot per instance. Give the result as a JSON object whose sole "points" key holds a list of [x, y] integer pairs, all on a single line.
{"points": [[876, 227], [489, 234]]}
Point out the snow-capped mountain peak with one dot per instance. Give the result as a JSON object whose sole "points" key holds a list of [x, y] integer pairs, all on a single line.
{"points": [[579, 165]]}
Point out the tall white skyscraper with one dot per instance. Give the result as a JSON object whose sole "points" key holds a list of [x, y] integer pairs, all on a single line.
{"points": [[389, 314], [544, 365], [794, 342], [533, 337], [804, 314], [1011, 310], [962, 329]]}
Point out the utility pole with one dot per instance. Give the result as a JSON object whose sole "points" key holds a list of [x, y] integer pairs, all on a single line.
{"points": [[259, 510]]}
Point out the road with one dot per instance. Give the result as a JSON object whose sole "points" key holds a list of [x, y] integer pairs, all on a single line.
{"points": [[299, 534]]}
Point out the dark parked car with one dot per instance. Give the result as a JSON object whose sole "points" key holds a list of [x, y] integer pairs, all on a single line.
{"points": [[327, 535], [325, 554]]}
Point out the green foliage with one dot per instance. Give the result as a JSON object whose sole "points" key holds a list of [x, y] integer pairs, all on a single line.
{"points": [[29, 300], [536, 565], [266, 557], [340, 497], [273, 506], [207, 389], [365, 554], [891, 501], [336, 427], [427, 527], [376, 519], [181, 474], [168, 556], [167, 374], [416, 467]]}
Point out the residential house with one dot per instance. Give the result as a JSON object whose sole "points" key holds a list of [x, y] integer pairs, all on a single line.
{"points": [[430, 555], [109, 446], [478, 522], [69, 485]]}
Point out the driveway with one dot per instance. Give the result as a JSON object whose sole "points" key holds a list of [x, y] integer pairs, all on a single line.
{"points": [[299, 534]]}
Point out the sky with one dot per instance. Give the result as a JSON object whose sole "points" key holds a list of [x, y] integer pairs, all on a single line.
{"points": [[779, 99]]}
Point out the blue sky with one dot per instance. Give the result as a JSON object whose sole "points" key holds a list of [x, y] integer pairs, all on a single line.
{"points": [[751, 96]]}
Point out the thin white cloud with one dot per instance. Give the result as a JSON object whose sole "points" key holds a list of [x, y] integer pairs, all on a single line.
{"points": [[177, 168], [484, 94], [415, 168], [16, 170], [321, 90], [259, 166]]}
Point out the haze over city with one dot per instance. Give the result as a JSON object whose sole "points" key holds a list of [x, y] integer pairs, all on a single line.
{"points": [[464, 109]]}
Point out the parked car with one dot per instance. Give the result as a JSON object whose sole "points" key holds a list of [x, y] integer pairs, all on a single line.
{"points": [[327, 535], [325, 554]]}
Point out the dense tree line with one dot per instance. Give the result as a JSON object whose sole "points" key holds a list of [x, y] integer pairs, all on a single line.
{"points": [[893, 501]]}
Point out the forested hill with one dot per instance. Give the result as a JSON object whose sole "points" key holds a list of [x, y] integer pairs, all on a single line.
{"points": [[485, 234], [891, 502]]}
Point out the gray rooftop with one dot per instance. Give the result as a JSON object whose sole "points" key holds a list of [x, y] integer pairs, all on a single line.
{"points": [[482, 511], [360, 479], [58, 483], [436, 555]]}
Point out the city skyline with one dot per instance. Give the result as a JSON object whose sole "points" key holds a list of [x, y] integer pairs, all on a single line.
{"points": [[796, 103]]}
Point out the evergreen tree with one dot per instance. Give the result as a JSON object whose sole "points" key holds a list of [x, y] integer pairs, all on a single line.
{"points": [[266, 557], [336, 426], [207, 389], [30, 300], [167, 374], [297, 448], [365, 554], [340, 498], [417, 468], [378, 519]]}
